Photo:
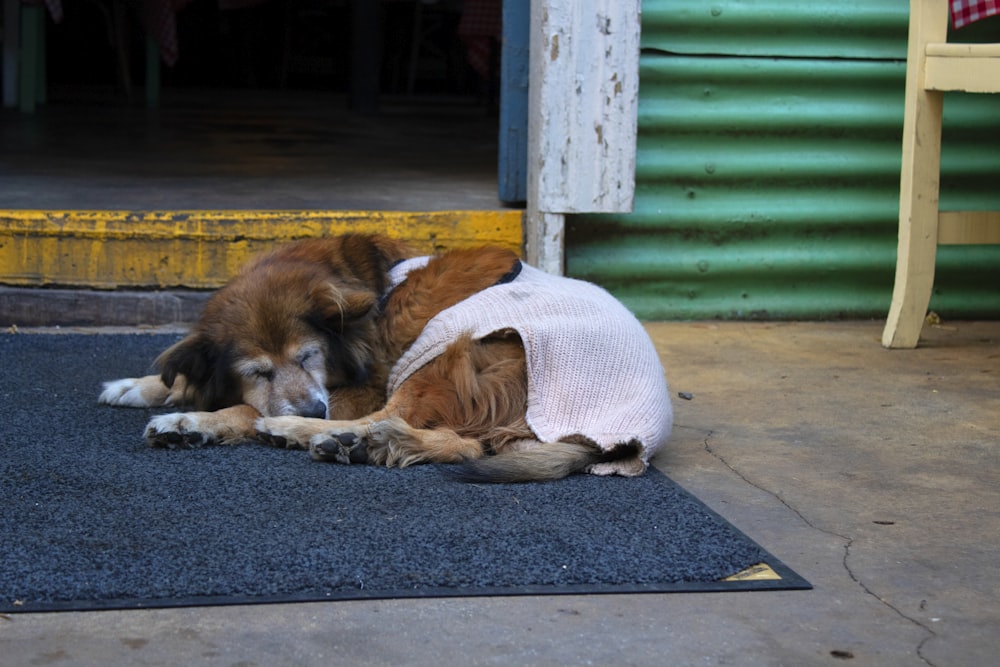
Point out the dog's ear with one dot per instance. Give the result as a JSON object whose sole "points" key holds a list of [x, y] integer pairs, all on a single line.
{"points": [[205, 366], [344, 316], [357, 304], [336, 309]]}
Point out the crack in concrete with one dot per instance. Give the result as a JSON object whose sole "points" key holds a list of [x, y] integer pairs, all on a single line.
{"points": [[848, 542]]}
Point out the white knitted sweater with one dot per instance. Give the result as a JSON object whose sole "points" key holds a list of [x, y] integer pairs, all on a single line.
{"points": [[592, 369]]}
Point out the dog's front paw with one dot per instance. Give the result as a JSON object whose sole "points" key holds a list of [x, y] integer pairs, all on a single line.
{"points": [[341, 446], [180, 430], [289, 432]]}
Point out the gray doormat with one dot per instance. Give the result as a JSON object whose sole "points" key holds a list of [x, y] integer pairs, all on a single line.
{"points": [[92, 518]]}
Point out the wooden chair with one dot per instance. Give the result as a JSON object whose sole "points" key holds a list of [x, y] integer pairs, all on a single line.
{"points": [[933, 66]]}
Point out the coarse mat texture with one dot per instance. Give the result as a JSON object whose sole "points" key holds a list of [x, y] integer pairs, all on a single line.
{"points": [[92, 518]]}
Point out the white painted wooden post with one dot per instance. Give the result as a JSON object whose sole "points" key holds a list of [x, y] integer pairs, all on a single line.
{"points": [[582, 114]]}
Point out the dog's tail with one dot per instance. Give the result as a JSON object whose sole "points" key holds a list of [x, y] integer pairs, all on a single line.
{"points": [[553, 460]]}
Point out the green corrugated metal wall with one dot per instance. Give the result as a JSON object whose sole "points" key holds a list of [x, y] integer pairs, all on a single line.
{"points": [[768, 167]]}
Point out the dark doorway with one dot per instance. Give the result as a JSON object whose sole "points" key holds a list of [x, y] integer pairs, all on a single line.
{"points": [[258, 111]]}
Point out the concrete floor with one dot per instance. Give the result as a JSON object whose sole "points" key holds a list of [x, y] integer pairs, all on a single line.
{"points": [[872, 473]]}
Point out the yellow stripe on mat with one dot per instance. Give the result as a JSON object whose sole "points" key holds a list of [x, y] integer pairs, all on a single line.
{"points": [[758, 572], [202, 249]]}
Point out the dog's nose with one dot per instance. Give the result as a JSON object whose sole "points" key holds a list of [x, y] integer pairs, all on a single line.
{"points": [[316, 409]]}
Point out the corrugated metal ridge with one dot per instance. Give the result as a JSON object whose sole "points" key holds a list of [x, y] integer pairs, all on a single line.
{"points": [[696, 94], [843, 29], [828, 121], [791, 257], [798, 277]]}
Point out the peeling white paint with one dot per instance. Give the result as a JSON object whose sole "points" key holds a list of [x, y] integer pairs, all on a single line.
{"points": [[589, 80], [584, 85]]}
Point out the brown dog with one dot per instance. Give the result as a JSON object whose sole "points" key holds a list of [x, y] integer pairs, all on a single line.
{"points": [[292, 334], [323, 345]]}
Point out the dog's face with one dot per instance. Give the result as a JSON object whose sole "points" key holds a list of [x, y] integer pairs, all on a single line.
{"points": [[278, 340], [290, 383]]}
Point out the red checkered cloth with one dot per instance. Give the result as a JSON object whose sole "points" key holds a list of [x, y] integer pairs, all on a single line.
{"points": [[160, 19], [964, 12]]}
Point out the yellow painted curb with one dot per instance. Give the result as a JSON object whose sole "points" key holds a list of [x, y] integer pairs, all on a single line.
{"points": [[203, 249]]}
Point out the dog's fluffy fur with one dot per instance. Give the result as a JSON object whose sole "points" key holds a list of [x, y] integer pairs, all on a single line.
{"points": [[292, 334], [296, 351]]}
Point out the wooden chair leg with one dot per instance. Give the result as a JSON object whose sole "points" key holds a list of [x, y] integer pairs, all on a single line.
{"points": [[918, 222], [919, 185]]}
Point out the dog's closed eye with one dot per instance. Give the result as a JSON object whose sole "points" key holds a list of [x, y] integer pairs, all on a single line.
{"points": [[258, 368], [310, 357]]}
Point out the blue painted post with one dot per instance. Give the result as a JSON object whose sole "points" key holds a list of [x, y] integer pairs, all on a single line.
{"points": [[513, 139]]}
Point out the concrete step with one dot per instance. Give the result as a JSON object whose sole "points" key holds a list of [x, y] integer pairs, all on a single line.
{"points": [[128, 268]]}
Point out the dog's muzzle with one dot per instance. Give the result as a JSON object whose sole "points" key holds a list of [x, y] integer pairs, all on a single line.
{"points": [[316, 410]]}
